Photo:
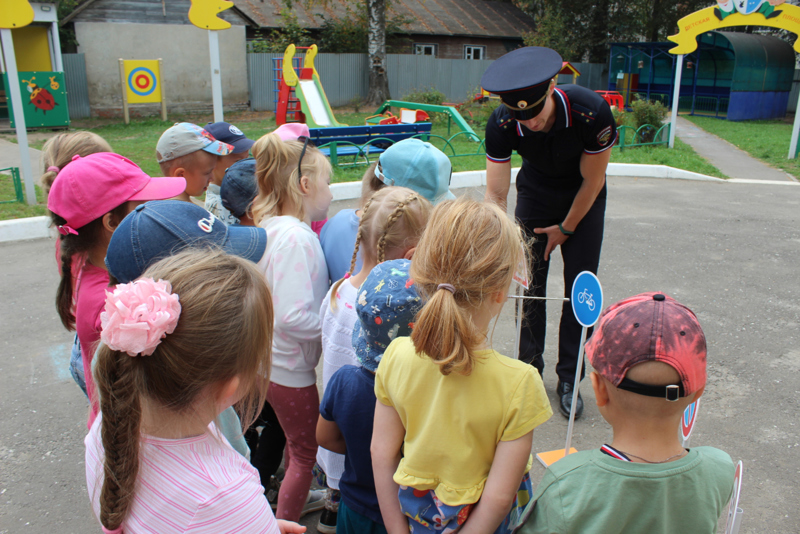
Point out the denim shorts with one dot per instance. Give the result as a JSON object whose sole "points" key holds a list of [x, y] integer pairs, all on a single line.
{"points": [[76, 365]]}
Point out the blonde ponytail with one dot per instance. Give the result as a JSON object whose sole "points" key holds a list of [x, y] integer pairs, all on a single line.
{"points": [[472, 248]]}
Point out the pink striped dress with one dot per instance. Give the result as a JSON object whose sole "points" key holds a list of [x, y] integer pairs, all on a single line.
{"points": [[197, 485]]}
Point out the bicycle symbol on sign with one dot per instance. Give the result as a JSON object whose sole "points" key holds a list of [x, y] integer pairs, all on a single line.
{"points": [[585, 296]]}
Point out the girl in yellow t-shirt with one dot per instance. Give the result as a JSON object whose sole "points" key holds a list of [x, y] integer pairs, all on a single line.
{"points": [[462, 414]]}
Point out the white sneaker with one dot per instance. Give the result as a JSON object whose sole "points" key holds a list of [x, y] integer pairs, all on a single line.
{"points": [[315, 501]]}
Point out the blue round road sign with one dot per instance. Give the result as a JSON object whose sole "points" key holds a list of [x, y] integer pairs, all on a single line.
{"points": [[587, 298]]}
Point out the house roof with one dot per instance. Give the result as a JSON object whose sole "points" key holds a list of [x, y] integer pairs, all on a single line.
{"points": [[473, 18]]}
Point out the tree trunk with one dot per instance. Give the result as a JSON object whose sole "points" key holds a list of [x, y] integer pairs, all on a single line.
{"points": [[376, 49]]}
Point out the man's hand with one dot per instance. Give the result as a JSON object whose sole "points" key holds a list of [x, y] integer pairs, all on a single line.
{"points": [[554, 238]]}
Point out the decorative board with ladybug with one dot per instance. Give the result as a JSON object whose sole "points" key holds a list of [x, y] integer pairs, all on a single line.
{"points": [[44, 99]]}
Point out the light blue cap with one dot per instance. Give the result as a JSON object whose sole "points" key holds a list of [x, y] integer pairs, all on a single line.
{"points": [[419, 166]]}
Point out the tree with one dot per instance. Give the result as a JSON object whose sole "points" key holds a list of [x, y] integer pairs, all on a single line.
{"points": [[376, 52]]}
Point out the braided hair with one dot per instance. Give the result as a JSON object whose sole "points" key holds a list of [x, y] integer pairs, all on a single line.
{"points": [[392, 221]]}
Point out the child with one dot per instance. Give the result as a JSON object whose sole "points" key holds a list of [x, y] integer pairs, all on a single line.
{"points": [[230, 134], [410, 163], [391, 225], [239, 190], [88, 199], [57, 152], [348, 405], [189, 151], [293, 190], [155, 461], [649, 356], [462, 414], [158, 229]]}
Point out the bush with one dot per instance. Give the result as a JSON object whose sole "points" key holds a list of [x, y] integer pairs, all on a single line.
{"points": [[650, 113], [426, 96]]}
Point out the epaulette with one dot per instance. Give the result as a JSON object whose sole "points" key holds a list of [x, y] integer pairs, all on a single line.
{"points": [[582, 114], [504, 119]]}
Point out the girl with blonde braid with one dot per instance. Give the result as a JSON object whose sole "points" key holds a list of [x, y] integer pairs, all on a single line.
{"points": [[391, 224], [451, 443], [155, 459]]}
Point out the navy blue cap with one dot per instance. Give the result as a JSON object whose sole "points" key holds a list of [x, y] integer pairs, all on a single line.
{"points": [[160, 228], [386, 306], [228, 133], [521, 79], [239, 187]]}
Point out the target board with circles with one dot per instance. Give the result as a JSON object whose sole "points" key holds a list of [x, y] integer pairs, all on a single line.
{"points": [[142, 81]]}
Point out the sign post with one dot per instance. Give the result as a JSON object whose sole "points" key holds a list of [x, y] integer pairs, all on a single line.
{"points": [[587, 303], [19, 115], [205, 15]]}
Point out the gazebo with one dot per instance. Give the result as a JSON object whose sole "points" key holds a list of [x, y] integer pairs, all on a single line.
{"points": [[738, 76]]}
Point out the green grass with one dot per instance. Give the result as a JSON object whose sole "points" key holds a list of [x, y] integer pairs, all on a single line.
{"points": [[764, 140], [681, 157], [17, 210]]}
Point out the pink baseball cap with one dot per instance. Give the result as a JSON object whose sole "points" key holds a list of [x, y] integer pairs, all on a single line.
{"points": [[644, 328], [89, 187], [291, 131]]}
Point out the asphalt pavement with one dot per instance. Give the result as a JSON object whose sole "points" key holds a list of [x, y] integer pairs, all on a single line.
{"points": [[729, 251]]}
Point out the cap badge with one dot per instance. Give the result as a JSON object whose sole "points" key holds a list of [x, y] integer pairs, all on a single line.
{"points": [[207, 224], [522, 104], [234, 130]]}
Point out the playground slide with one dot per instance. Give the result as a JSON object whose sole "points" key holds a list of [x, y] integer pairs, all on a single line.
{"points": [[314, 103]]}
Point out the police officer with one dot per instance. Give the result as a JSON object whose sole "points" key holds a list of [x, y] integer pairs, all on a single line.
{"points": [[564, 135]]}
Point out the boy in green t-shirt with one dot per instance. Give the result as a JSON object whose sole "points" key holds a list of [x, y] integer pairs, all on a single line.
{"points": [[649, 356]]}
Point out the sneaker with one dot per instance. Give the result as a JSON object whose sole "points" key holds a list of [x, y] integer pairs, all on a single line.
{"points": [[315, 501], [327, 522], [272, 492]]}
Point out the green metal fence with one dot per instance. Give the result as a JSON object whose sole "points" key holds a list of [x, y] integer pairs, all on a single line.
{"points": [[20, 197], [645, 135]]}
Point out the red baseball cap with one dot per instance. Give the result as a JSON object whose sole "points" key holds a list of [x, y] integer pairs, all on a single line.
{"points": [[89, 187], [644, 328]]}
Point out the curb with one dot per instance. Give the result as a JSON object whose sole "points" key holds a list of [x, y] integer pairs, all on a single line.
{"points": [[39, 227]]}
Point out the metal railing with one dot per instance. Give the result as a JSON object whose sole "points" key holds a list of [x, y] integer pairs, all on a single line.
{"points": [[20, 197], [645, 135]]}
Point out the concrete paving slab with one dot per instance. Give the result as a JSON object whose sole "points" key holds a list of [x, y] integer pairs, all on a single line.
{"points": [[731, 160], [729, 252]]}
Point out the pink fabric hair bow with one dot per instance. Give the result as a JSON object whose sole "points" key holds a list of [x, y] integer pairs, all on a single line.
{"points": [[139, 315]]}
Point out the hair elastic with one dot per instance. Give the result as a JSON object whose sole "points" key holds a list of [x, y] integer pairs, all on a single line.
{"points": [[117, 530], [448, 287], [53, 168]]}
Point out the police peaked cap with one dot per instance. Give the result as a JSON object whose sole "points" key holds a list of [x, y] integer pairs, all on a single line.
{"points": [[521, 79]]}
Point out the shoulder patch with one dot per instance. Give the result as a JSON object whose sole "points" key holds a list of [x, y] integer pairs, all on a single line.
{"points": [[582, 114], [604, 136]]}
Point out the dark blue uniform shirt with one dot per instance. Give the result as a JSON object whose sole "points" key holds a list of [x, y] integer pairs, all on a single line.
{"points": [[550, 175]]}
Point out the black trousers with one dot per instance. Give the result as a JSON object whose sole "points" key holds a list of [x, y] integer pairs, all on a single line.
{"points": [[580, 252], [266, 450]]}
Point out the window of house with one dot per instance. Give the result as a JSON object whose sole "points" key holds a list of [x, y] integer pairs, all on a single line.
{"points": [[474, 52], [423, 49]]}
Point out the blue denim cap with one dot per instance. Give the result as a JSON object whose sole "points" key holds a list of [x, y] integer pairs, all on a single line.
{"points": [[184, 138], [228, 133], [160, 228], [419, 166], [239, 187], [386, 306]]}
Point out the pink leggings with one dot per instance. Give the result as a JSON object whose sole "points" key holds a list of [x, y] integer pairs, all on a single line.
{"points": [[297, 410]]}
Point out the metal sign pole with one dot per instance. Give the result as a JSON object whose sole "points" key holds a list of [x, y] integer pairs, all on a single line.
{"points": [[676, 96], [575, 390], [19, 114], [216, 77]]}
